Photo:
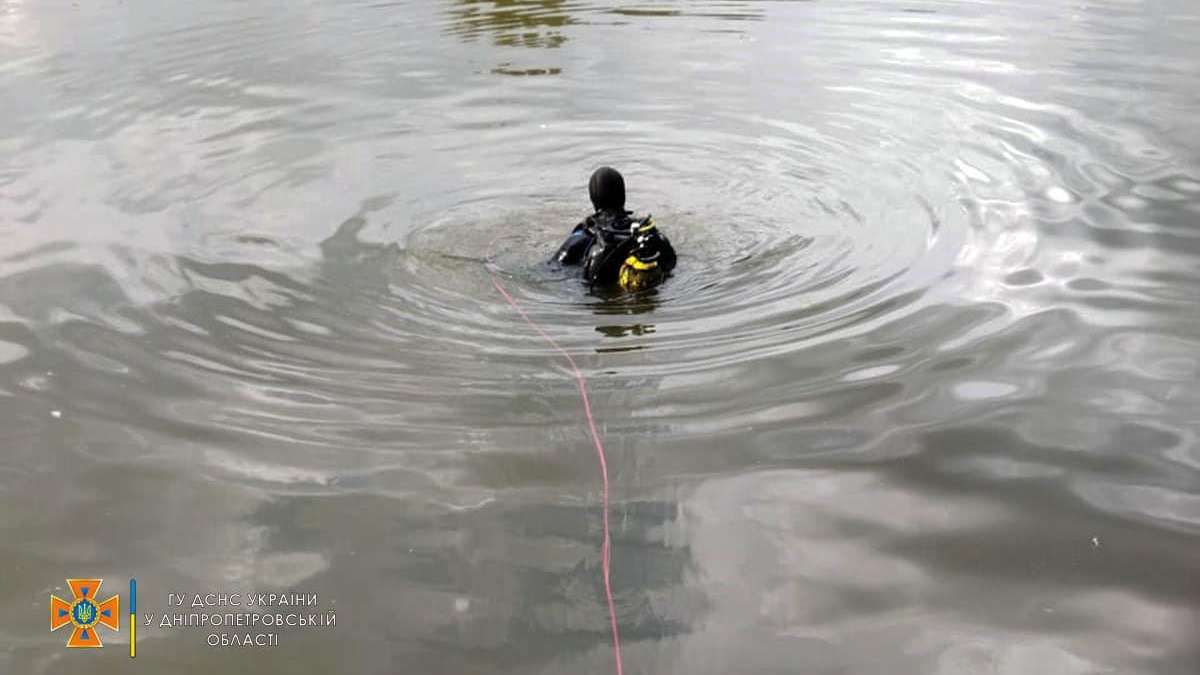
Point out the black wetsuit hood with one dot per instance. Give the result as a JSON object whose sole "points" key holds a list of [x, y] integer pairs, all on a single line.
{"points": [[606, 189]]}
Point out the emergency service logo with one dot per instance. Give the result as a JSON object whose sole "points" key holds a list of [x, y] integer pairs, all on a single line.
{"points": [[85, 613]]}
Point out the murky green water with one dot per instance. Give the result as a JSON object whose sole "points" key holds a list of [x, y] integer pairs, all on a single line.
{"points": [[921, 398]]}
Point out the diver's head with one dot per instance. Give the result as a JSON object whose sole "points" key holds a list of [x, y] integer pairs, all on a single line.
{"points": [[607, 189]]}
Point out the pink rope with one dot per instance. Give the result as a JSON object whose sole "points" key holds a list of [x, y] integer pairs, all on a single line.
{"points": [[581, 382]]}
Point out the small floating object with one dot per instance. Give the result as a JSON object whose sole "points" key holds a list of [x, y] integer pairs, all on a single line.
{"points": [[56, 414]]}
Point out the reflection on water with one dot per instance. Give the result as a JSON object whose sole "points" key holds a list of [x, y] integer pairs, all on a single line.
{"points": [[508, 69], [512, 23], [919, 398]]}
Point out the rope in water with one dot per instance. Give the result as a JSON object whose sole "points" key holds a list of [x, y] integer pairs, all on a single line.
{"points": [[581, 383]]}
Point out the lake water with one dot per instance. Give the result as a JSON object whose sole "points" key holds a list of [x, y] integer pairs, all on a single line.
{"points": [[922, 396]]}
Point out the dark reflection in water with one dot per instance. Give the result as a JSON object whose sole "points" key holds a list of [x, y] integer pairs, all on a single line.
{"points": [[507, 69], [612, 306], [726, 11], [512, 23]]}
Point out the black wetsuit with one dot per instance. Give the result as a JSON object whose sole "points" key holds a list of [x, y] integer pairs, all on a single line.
{"points": [[603, 241]]}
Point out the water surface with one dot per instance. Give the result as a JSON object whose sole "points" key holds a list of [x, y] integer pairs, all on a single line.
{"points": [[921, 397]]}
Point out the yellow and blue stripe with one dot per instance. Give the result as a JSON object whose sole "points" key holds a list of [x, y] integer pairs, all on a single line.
{"points": [[132, 618]]}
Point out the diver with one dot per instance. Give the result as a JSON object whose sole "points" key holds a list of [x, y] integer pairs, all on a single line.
{"points": [[613, 247]]}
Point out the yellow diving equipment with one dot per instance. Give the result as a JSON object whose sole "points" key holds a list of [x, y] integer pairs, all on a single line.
{"points": [[636, 275], [641, 269]]}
